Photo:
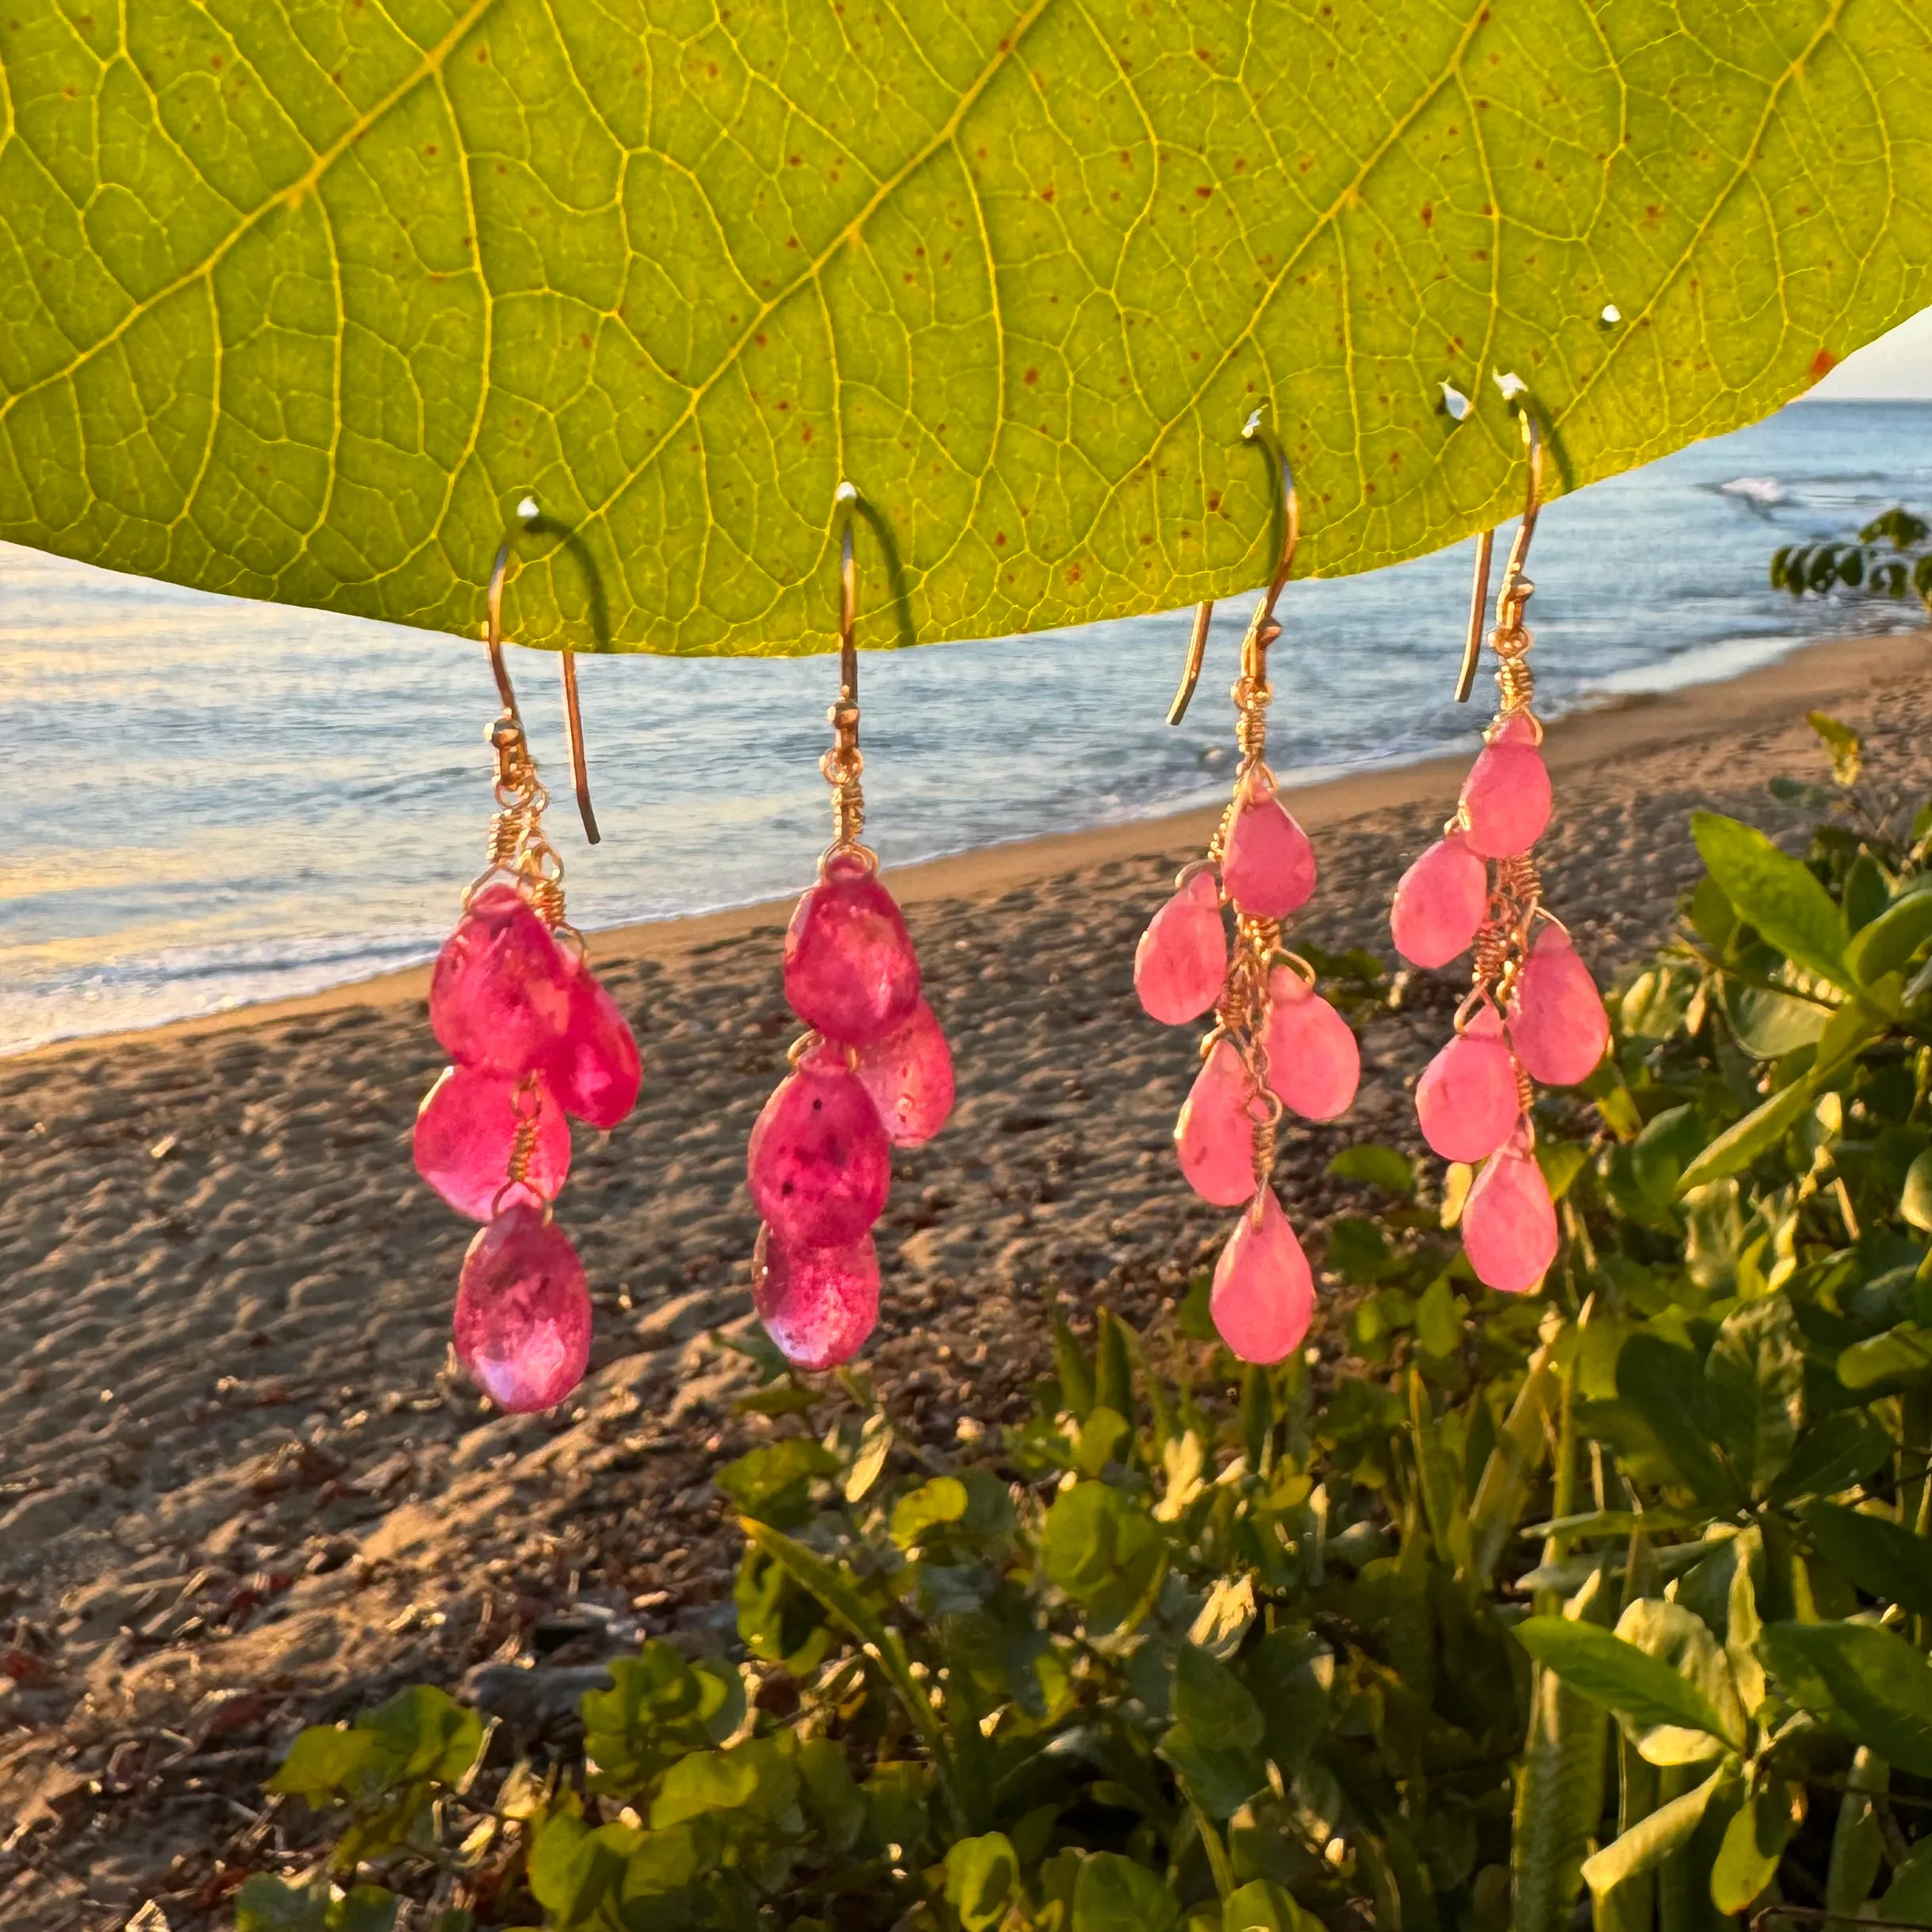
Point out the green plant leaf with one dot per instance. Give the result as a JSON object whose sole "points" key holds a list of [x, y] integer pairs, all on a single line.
{"points": [[1666, 1385], [1215, 1740], [1754, 1842], [1755, 1378], [932, 1504], [1650, 1692], [1888, 943], [1775, 893], [981, 1873], [1915, 1202], [1866, 1684], [1385, 1168], [1103, 1549], [1262, 1905], [1883, 1558], [1846, 747], [302, 300], [1909, 1896], [1652, 1839], [265, 1904], [1838, 1450], [1742, 1141], [1114, 1894], [773, 1483]]}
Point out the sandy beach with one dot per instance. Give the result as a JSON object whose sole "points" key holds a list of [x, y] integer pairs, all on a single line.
{"points": [[240, 1486]]}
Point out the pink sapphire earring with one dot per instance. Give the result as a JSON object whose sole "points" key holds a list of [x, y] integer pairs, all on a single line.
{"points": [[534, 1039], [1275, 1042], [873, 1071], [1533, 1013]]}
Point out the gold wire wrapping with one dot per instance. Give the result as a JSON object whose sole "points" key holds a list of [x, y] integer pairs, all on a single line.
{"points": [[529, 1105], [517, 847], [843, 766]]}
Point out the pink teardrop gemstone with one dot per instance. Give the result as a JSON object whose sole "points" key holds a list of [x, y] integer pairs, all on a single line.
{"points": [[596, 1069], [467, 1128], [1467, 1100], [1505, 798], [1556, 1021], [909, 1076], [819, 1164], [1440, 903], [1263, 1295], [500, 993], [850, 970], [1214, 1136], [1268, 869], [523, 1312], [1182, 961], [1510, 1221], [1314, 1062], [818, 1304]]}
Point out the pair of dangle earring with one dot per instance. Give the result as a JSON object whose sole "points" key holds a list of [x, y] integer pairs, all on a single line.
{"points": [[535, 1040], [872, 1071], [1275, 1043], [1533, 1014]]}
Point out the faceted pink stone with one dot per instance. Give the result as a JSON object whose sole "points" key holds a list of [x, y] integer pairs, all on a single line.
{"points": [[500, 993], [1440, 903], [1467, 1100], [818, 1304], [1263, 1295], [819, 1164], [1182, 960], [1505, 798], [1268, 869], [596, 1069], [1214, 1135], [466, 1129], [850, 970], [1510, 1221], [909, 1076], [523, 1312], [1556, 1021], [1314, 1062]]}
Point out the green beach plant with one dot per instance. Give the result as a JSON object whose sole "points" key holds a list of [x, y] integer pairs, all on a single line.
{"points": [[1891, 557], [303, 300], [1623, 1593]]}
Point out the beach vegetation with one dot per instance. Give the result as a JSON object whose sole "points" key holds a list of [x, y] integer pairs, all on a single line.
{"points": [[1891, 557], [1613, 1599]]}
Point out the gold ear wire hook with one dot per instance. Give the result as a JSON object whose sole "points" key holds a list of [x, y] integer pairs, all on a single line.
{"points": [[1256, 643], [1511, 592], [847, 498], [527, 513]]}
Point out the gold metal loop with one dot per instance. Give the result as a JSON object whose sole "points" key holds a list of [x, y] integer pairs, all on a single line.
{"points": [[527, 514], [843, 766], [1261, 629], [1516, 587]]}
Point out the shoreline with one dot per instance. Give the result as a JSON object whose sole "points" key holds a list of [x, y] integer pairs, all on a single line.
{"points": [[1803, 677]]}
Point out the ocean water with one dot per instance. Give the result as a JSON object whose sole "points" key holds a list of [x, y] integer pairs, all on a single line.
{"points": [[216, 802]]}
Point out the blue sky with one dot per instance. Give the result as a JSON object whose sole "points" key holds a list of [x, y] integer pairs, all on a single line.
{"points": [[1895, 367]]}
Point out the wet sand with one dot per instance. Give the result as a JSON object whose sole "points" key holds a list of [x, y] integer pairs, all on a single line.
{"points": [[240, 1486]]}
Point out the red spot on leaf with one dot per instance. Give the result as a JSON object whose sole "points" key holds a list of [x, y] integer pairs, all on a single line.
{"points": [[1823, 364]]}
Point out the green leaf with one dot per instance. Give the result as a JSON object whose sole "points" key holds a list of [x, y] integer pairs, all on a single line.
{"points": [[1753, 1842], [1385, 1168], [1884, 1559], [658, 1707], [1775, 893], [1888, 944], [1869, 1685], [1846, 747], [301, 300], [1909, 1896], [1103, 1549], [1740, 1143], [981, 1873], [773, 1483], [327, 1765], [1839, 1451], [1263, 1906], [364, 1908], [704, 1781], [1666, 1387], [1215, 1740], [1754, 1377], [932, 1505], [1673, 1634], [266, 1904], [1624, 1679], [425, 1734], [1901, 1355], [1652, 1839], [1915, 1202], [1112, 1894]]}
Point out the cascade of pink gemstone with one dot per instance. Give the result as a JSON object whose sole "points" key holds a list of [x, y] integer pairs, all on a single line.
{"points": [[1181, 963], [500, 992], [818, 1304], [1510, 1221], [909, 1076], [523, 1312], [1505, 802], [850, 970], [1314, 1062], [1263, 1295], [1268, 869], [1214, 1135], [1440, 903], [596, 1069], [1557, 1022], [466, 1129], [819, 1164], [1467, 1100]]}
